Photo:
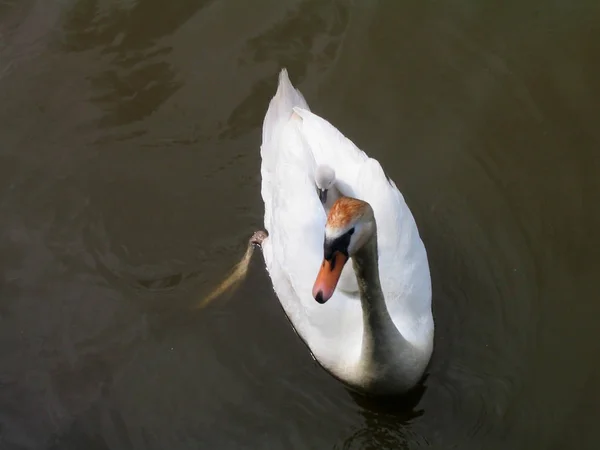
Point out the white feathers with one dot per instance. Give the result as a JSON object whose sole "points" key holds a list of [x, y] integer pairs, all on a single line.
{"points": [[296, 145]]}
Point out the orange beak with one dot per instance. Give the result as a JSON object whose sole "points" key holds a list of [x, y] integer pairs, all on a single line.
{"points": [[328, 277]]}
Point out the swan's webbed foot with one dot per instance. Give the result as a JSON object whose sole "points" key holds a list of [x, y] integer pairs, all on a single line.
{"points": [[258, 237]]}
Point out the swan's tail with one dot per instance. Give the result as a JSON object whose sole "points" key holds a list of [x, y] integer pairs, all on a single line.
{"points": [[282, 105]]}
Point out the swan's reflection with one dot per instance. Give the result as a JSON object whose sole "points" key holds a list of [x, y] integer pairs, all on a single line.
{"points": [[387, 420]]}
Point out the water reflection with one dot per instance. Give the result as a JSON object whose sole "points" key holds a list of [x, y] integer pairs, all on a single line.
{"points": [[388, 421], [308, 36], [131, 37]]}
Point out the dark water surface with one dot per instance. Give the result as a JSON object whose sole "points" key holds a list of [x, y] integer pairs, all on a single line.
{"points": [[129, 177]]}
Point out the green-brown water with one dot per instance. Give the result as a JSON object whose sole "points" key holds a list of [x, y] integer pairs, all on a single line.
{"points": [[129, 177]]}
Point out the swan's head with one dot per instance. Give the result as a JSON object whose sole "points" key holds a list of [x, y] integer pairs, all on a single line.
{"points": [[350, 225], [324, 179]]}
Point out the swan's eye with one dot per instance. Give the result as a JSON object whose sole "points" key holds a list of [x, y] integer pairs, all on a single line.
{"points": [[350, 231]]}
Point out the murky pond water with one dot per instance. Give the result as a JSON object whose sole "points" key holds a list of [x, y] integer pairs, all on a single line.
{"points": [[129, 176]]}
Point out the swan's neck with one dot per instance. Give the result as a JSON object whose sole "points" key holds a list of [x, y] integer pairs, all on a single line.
{"points": [[383, 346]]}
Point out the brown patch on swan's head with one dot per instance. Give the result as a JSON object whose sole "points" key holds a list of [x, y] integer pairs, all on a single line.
{"points": [[345, 211]]}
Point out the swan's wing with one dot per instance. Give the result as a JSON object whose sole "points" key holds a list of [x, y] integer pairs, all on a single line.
{"points": [[281, 109], [294, 216], [403, 266], [329, 146]]}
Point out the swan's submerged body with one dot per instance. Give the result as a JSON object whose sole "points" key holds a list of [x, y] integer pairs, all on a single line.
{"points": [[375, 332]]}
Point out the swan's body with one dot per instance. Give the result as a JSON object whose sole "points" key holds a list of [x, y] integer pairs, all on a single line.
{"points": [[375, 331]]}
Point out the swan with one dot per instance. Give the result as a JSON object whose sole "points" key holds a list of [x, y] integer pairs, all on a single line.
{"points": [[326, 187], [374, 330]]}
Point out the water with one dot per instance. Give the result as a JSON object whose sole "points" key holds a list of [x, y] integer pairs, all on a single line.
{"points": [[129, 176]]}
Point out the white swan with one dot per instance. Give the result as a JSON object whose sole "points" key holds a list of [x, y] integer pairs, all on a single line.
{"points": [[326, 187], [378, 337]]}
